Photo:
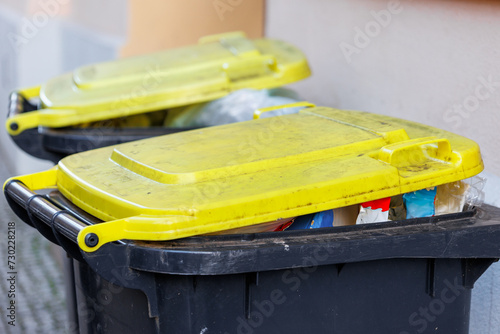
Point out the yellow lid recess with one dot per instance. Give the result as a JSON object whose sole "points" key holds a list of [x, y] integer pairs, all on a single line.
{"points": [[218, 65], [246, 173]]}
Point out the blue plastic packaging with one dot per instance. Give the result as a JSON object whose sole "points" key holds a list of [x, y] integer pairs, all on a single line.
{"points": [[313, 220], [420, 203]]}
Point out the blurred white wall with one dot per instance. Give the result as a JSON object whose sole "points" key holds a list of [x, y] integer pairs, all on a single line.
{"points": [[425, 64], [44, 38], [431, 61]]}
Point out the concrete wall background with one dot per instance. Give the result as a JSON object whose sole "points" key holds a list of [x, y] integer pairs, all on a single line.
{"points": [[429, 59], [43, 39], [432, 61]]}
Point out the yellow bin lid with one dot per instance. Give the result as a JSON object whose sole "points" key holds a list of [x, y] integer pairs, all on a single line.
{"points": [[218, 65], [240, 174]]}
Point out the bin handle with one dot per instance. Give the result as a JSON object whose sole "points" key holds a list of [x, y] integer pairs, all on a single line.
{"points": [[391, 153], [19, 104], [257, 113], [16, 104], [27, 120], [22, 193], [141, 227], [22, 115], [88, 235], [18, 99], [36, 181]]}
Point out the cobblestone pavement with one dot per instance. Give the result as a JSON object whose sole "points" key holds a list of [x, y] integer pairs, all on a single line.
{"points": [[39, 285]]}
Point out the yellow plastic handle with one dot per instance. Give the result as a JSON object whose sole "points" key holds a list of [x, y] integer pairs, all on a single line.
{"points": [[257, 113], [37, 181], [20, 122], [391, 154], [42, 117], [142, 227], [30, 92]]}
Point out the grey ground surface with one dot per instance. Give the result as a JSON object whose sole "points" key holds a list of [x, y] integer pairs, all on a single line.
{"points": [[40, 290]]}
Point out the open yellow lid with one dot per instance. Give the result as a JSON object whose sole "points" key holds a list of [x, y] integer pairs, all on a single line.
{"points": [[246, 173], [218, 65]]}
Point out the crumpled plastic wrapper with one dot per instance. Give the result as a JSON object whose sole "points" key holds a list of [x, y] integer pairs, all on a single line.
{"points": [[460, 196], [236, 107], [474, 197]]}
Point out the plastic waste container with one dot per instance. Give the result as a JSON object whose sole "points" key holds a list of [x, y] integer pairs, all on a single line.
{"points": [[114, 102], [143, 267]]}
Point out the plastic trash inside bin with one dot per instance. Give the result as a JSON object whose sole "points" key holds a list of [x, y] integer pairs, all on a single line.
{"points": [[420, 203], [374, 211], [238, 106]]}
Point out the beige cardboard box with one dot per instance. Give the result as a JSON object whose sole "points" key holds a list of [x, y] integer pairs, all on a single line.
{"points": [[161, 24]]}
